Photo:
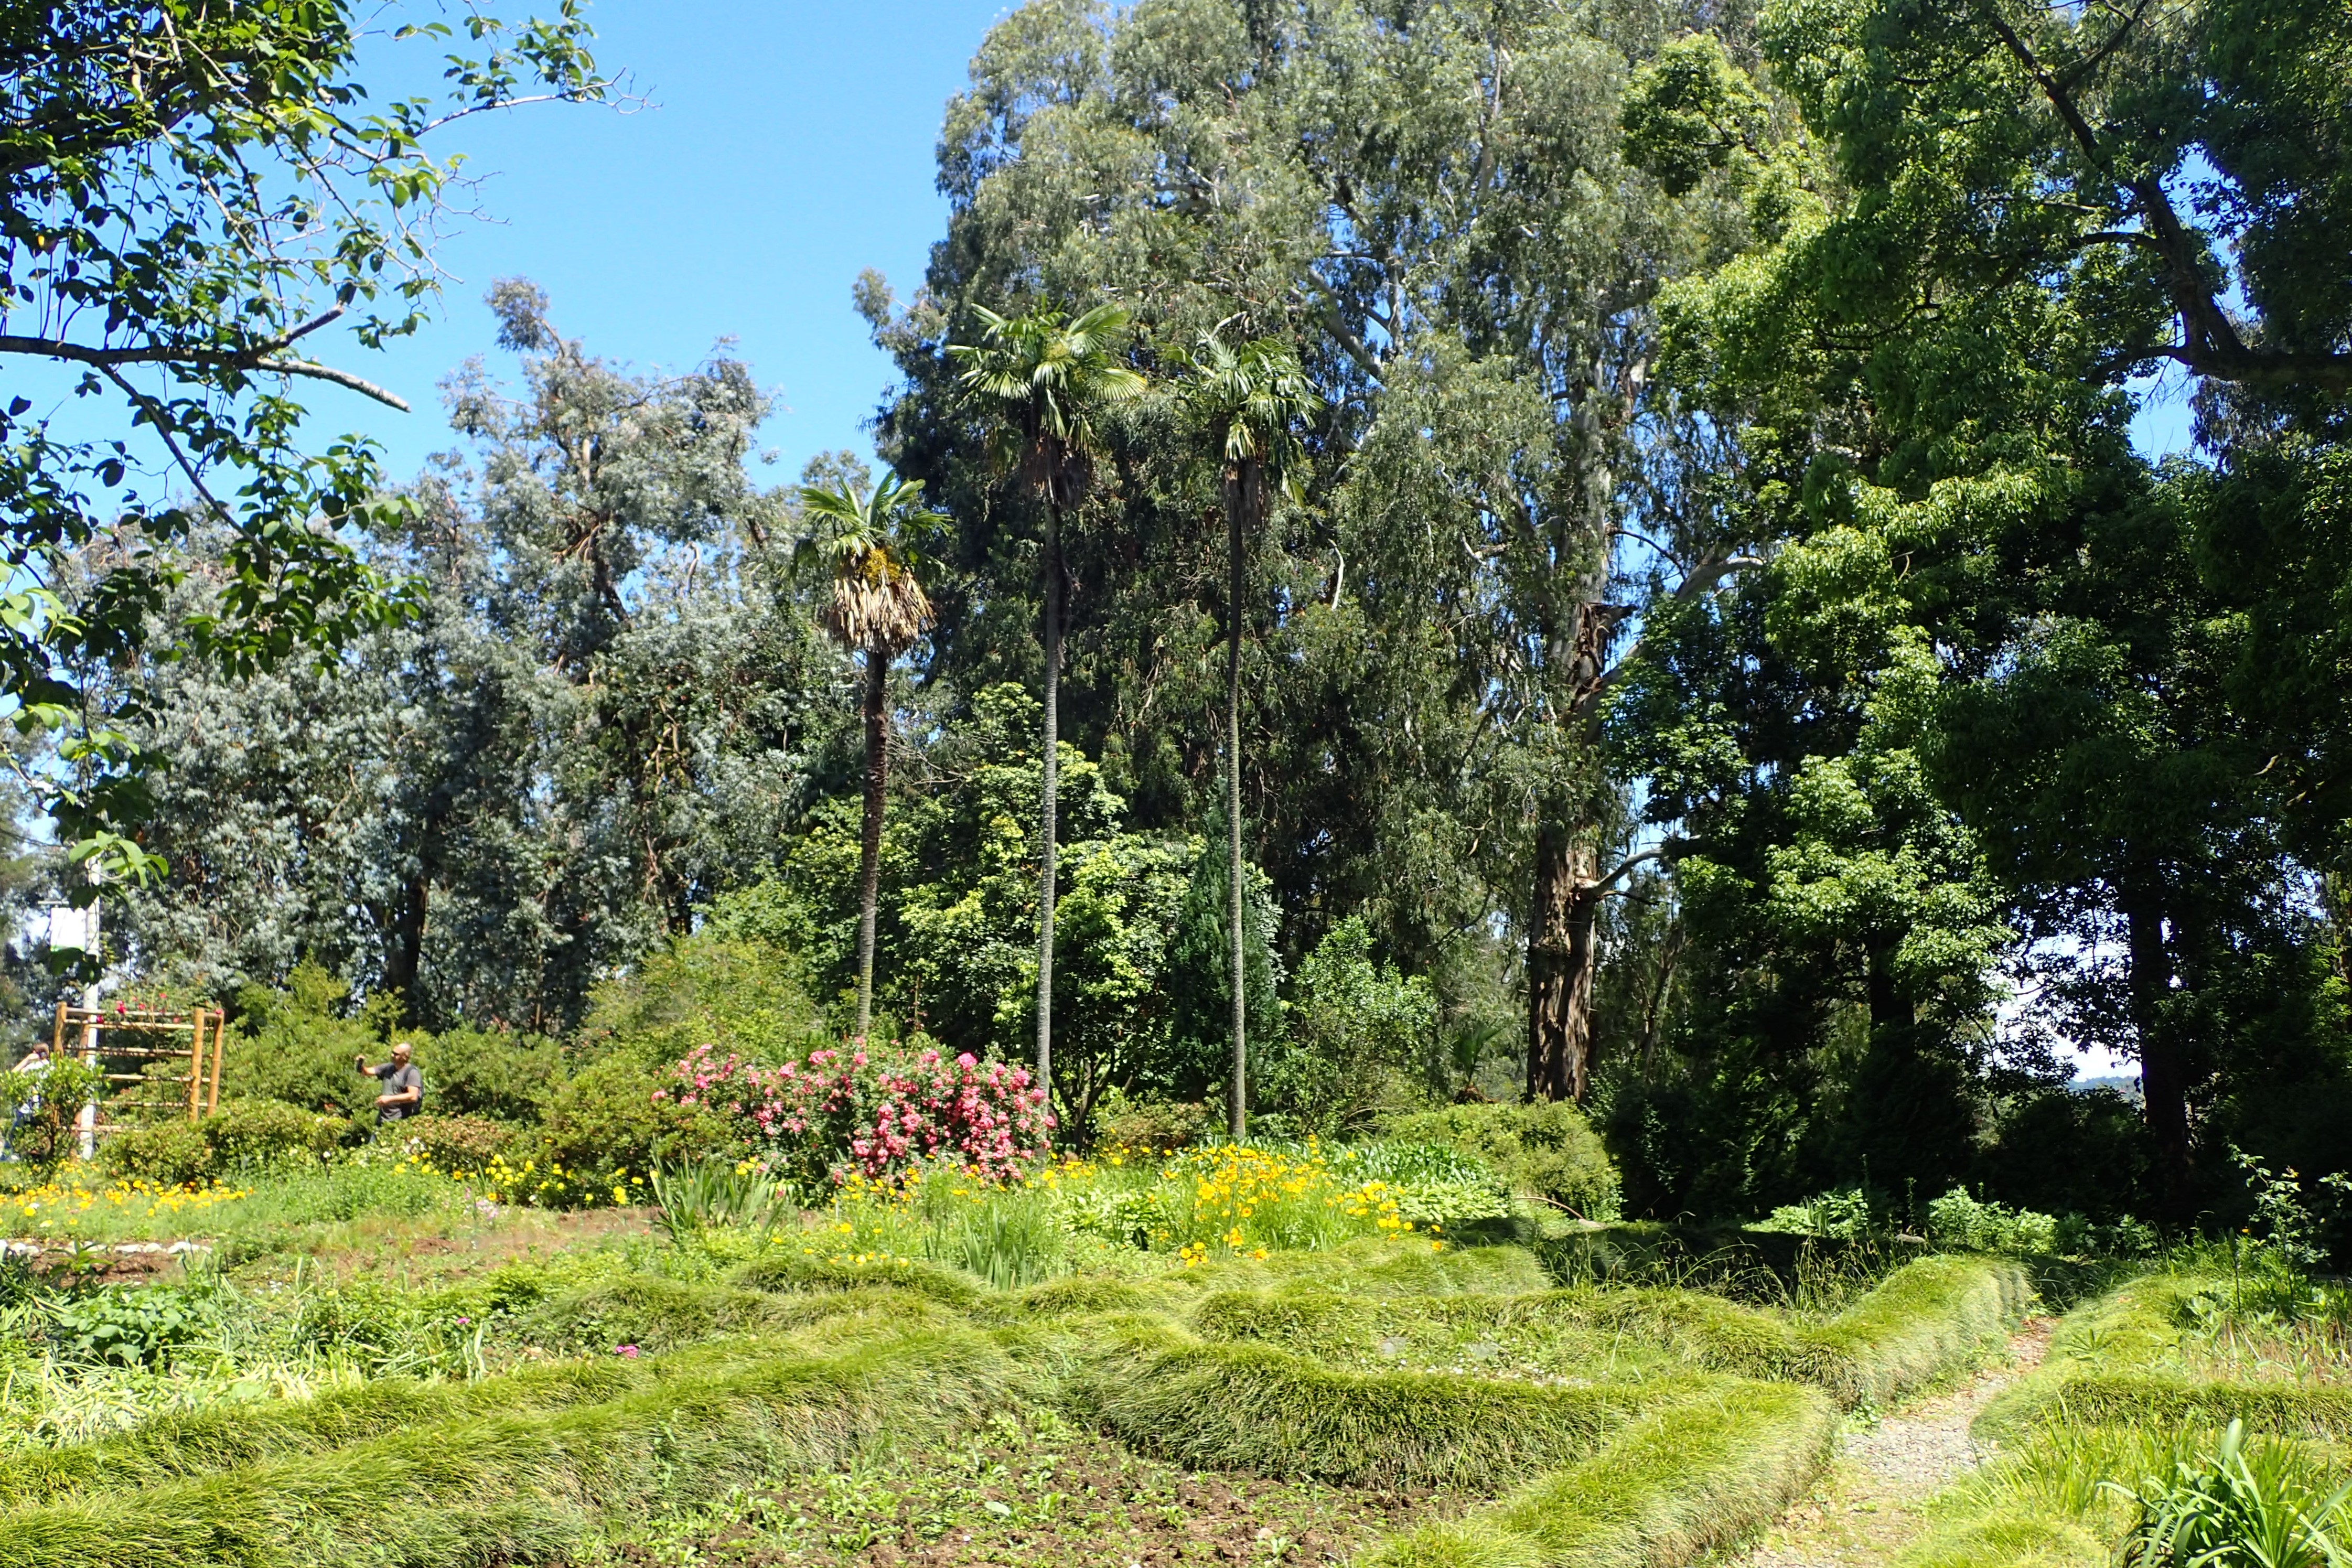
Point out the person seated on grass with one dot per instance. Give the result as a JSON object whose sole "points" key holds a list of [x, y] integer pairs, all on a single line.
{"points": [[403, 1086]]}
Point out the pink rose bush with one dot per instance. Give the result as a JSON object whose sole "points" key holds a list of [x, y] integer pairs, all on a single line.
{"points": [[842, 1110]]}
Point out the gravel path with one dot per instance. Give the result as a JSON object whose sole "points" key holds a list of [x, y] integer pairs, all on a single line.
{"points": [[1868, 1506]]}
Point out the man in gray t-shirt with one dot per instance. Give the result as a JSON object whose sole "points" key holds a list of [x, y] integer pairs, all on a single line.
{"points": [[403, 1086]]}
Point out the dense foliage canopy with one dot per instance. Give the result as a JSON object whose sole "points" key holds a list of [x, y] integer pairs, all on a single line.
{"points": [[1588, 550]]}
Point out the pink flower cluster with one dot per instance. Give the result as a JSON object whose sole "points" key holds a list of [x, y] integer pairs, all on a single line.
{"points": [[836, 1112]]}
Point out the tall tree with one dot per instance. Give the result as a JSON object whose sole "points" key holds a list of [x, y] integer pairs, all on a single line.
{"points": [[1432, 202], [1250, 399], [877, 609], [189, 194], [1045, 377]]}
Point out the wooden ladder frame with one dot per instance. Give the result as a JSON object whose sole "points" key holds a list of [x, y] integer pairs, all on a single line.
{"points": [[197, 1037]]}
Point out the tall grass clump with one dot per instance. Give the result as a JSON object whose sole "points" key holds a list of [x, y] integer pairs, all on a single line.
{"points": [[529, 1485], [2083, 1495], [1689, 1479], [1257, 1408]]}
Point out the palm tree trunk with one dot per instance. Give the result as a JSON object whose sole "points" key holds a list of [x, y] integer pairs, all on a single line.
{"points": [[869, 849], [1237, 499], [1046, 813]]}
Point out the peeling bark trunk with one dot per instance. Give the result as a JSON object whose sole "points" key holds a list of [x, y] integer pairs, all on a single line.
{"points": [[1562, 959], [869, 846], [1562, 953]]}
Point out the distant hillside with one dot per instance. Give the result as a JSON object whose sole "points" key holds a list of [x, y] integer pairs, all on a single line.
{"points": [[2127, 1087]]}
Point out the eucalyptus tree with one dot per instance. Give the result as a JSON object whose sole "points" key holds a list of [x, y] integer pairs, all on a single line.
{"points": [[877, 608], [1433, 201], [1044, 377], [189, 195], [599, 718], [1250, 399]]}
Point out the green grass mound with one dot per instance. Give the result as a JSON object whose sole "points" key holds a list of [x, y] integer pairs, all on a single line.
{"points": [[656, 1313], [1380, 1266], [529, 1485], [2005, 1541], [2283, 1409], [786, 1271], [1690, 1478], [195, 1443], [1923, 1321], [1080, 1295], [1256, 1408], [2143, 1325]]}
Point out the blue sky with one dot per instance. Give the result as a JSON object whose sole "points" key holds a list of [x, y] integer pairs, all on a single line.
{"points": [[793, 146]]}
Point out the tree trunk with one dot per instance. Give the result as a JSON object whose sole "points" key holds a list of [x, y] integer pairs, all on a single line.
{"points": [[405, 954], [2163, 1067], [1237, 499], [869, 846], [1047, 811], [1560, 961]]}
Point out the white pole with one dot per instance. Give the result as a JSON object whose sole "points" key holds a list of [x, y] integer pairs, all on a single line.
{"points": [[89, 1030]]}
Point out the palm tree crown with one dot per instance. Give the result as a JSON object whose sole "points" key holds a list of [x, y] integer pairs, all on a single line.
{"points": [[1047, 374], [876, 603], [1253, 396]]}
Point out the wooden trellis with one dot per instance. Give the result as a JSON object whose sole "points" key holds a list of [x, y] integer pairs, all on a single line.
{"points": [[127, 1041]]}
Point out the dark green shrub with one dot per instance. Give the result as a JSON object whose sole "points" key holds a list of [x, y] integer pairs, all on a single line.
{"points": [[1548, 1150], [489, 1073], [1124, 1121], [1362, 1038], [171, 1153], [257, 1133], [606, 1119], [296, 1045], [451, 1142], [742, 995]]}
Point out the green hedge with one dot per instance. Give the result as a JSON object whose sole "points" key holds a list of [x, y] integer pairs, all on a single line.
{"points": [[1688, 1479], [527, 1486]]}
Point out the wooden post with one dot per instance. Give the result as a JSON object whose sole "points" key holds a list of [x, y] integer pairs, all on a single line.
{"points": [[220, 1026], [195, 1063]]}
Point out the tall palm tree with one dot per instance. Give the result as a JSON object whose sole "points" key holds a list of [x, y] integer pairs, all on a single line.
{"points": [[1250, 399], [1043, 378], [877, 609]]}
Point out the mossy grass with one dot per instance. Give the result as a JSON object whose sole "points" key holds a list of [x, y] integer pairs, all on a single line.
{"points": [[789, 1269], [1689, 1479], [1922, 1322], [192, 1443], [2150, 1325], [1257, 1408], [657, 1314], [529, 1485]]}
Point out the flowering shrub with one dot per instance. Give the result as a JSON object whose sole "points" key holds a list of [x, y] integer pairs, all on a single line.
{"points": [[839, 1113]]}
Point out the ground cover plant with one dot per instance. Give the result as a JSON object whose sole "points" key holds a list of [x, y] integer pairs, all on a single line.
{"points": [[1279, 1349]]}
